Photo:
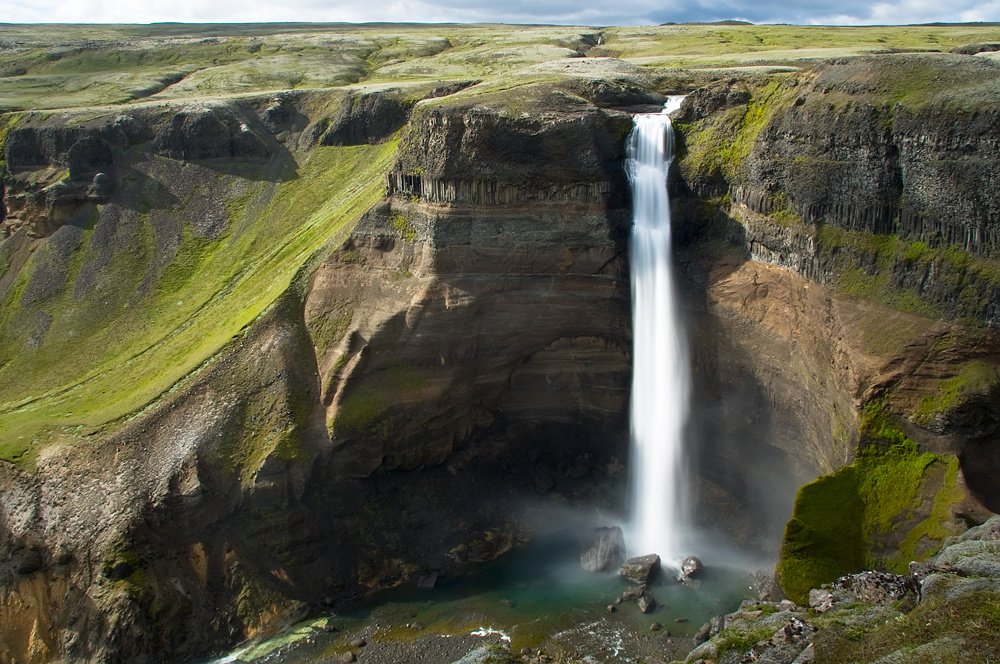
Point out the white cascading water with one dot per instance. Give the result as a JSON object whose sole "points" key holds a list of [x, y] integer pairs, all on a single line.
{"points": [[660, 378]]}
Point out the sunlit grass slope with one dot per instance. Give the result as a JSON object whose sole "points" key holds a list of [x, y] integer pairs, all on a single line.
{"points": [[130, 320]]}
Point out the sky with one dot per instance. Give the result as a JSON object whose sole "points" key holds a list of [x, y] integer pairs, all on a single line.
{"points": [[569, 12]]}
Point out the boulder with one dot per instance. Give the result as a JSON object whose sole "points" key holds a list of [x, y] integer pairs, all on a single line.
{"points": [[690, 568], [631, 594], [642, 569], [646, 603], [606, 552]]}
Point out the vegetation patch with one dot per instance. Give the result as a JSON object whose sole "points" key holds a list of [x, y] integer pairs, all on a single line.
{"points": [[404, 227], [873, 513], [739, 640], [7, 122], [976, 378], [951, 629], [875, 267], [718, 145]]}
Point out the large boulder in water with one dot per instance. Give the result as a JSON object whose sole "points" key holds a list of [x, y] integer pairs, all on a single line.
{"points": [[642, 569], [690, 568], [606, 552]]}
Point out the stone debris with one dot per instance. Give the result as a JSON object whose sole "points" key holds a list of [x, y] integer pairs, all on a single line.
{"points": [[964, 567], [873, 587], [646, 603]]}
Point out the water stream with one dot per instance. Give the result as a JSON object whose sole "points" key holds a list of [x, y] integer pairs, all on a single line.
{"points": [[660, 381]]}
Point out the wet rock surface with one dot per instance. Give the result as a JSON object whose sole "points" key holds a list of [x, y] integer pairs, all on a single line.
{"points": [[606, 552], [641, 569]]}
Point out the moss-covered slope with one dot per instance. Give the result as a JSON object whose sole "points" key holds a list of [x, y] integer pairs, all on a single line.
{"points": [[140, 288]]}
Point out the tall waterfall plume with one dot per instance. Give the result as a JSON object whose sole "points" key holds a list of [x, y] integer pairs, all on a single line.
{"points": [[660, 379]]}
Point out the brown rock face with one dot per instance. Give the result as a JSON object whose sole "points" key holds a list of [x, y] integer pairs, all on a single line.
{"points": [[482, 286]]}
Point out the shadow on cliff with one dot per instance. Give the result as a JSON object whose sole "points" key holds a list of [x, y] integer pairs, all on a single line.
{"points": [[745, 478]]}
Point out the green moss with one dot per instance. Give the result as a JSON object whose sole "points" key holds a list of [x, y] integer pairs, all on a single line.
{"points": [[878, 427], [719, 144], [824, 537], [732, 640], [870, 514], [191, 256], [122, 559], [359, 411], [7, 122], [327, 330], [867, 265], [404, 227], [973, 378]]}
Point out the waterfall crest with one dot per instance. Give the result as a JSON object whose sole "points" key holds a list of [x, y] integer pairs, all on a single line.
{"points": [[660, 379]]}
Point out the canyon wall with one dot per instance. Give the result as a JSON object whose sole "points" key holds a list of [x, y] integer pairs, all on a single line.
{"points": [[282, 353]]}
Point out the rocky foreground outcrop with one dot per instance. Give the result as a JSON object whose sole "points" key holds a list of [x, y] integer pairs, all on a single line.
{"points": [[942, 610]]}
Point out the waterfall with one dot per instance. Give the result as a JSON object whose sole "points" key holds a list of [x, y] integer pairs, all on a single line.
{"points": [[660, 378]]}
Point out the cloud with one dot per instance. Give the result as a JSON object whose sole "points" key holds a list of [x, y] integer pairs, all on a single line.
{"points": [[579, 12]]}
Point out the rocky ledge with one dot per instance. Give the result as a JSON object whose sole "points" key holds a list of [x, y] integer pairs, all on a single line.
{"points": [[943, 610]]}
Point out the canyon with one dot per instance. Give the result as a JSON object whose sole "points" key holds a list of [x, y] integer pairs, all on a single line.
{"points": [[275, 350]]}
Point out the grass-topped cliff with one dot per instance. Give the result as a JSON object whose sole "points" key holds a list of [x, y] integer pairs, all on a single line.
{"points": [[273, 296]]}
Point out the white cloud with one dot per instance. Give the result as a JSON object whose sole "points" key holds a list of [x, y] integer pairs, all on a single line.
{"points": [[584, 12]]}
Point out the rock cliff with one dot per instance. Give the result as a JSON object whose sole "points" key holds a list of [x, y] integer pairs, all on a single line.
{"points": [[287, 349], [281, 468], [829, 176]]}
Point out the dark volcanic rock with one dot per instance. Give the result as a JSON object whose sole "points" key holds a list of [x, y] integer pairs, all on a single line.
{"points": [[210, 133], [646, 603], [89, 156], [606, 552], [368, 118], [480, 155], [641, 569]]}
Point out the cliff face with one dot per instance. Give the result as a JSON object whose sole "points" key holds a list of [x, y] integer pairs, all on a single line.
{"points": [[872, 186], [451, 352], [876, 176], [476, 240], [282, 352]]}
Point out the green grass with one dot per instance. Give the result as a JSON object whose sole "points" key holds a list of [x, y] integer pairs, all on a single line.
{"points": [[115, 349], [59, 66], [740, 45]]}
